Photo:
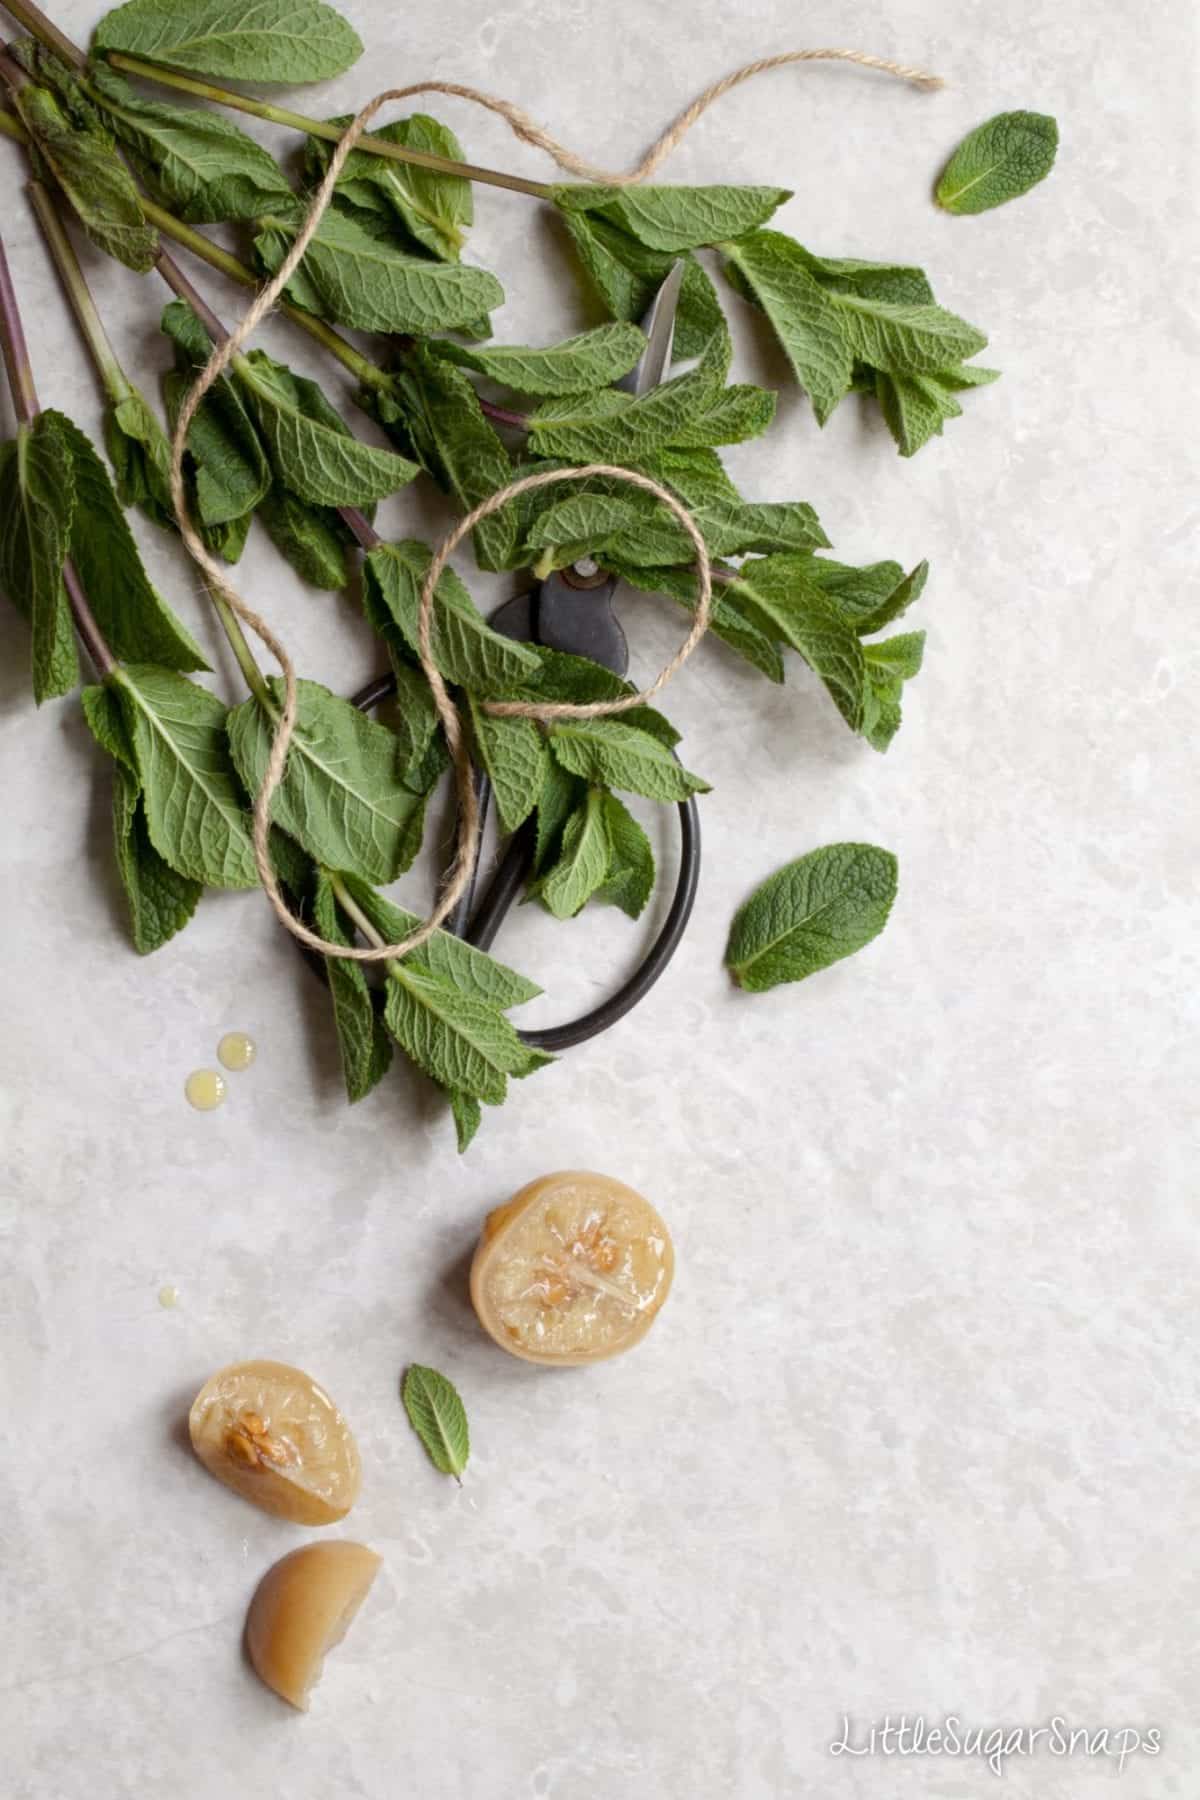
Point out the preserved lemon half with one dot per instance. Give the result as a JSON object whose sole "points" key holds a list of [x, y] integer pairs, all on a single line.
{"points": [[270, 1433], [302, 1608], [572, 1269]]}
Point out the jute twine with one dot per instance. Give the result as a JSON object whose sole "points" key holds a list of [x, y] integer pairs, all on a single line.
{"points": [[530, 132]]}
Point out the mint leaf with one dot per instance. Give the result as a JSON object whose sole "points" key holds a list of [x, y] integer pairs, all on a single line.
{"points": [[311, 538], [916, 407], [438, 1417], [591, 360], [194, 810], [582, 864], [677, 218], [450, 958], [37, 496], [561, 794], [431, 411], [362, 279], [802, 312], [160, 901], [465, 648], [513, 753], [738, 413], [610, 425], [135, 620], [888, 665], [467, 1115], [313, 451], [906, 339], [432, 207], [365, 1047], [998, 161], [463, 1042], [197, 163], [612, 753], [140, 455], [629, 881], [784, 601], [626, 276], [229, 469], [285, 42], [811, 913], [342, 796], [92, 176]]}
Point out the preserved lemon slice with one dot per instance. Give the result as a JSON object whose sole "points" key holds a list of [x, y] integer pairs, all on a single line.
{"points": [[302, 1608], [270, 1433], [572, 1269]]}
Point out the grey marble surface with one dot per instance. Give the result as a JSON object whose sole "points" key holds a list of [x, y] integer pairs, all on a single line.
{"points": [[916, 1431]]}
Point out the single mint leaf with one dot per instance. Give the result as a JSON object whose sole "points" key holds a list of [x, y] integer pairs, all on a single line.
{"points": [[811, 913], [365, 1047], [450, 958], [906, 339], [677, 218], [467, 1114], [95, 181], [626, 276], [612, 753], [433, 208], [514, 755], [194, 809], [998, 161], [342, 797], [629, 882], [888, 666], [592, 360], [582, 865], [561, 794], [737, 414], [431, 412], [140, 454], [314, 452], [901, 282], [895, 601], [198, 163], [135, 620], [783, 600], [311, 538], [161, 901], [283, 42], [461, 1041], [37, 495], [465, 648], [802, 312], [438, 1417], [362, 279]]}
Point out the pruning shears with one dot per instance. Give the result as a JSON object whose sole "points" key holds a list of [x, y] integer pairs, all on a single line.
{"points": [[572, 610]]}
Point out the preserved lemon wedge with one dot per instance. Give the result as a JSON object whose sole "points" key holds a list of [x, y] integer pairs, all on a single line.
{"points": [[572, 1269], [270, 1433], [302, 1608]]}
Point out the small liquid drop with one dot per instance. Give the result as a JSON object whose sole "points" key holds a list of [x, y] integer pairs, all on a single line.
{"points": [[236, 1050], [205, 1089], [168, 1296]]}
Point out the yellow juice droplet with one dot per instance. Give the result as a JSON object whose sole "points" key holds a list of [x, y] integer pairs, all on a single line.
{"points": [[236, 1050], [204, 1088], [168, 1296]]}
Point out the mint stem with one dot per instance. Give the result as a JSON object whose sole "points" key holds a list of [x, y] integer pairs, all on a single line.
{"points": [[293, 121], [116, 383], [20, 380], [503, 415]]}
